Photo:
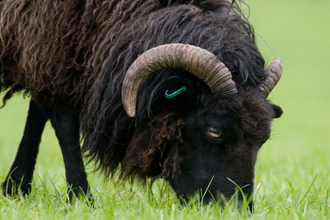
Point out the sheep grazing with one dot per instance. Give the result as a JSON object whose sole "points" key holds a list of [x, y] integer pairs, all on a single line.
{"points": [[159, 88]]}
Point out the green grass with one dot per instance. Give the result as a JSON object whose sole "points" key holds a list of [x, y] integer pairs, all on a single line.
{"points": [[292, 171]]}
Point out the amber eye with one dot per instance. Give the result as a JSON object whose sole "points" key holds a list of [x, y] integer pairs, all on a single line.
{"points": [[214, 132]]}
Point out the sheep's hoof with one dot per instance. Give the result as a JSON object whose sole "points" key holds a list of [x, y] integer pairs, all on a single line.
{"points": [[74, 194], [12, 187]]}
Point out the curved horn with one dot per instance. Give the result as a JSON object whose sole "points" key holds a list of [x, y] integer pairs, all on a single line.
{"points": [[274, 70], [200, 62]]}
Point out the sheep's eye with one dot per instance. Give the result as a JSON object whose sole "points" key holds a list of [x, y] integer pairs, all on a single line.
{"points": [[214, 132]]}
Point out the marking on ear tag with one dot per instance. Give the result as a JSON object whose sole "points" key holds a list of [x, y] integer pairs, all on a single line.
{"points": [[176, 93]]}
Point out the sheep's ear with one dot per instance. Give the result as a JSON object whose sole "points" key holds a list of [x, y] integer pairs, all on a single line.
{"points": [[182, 91], [277, 111]]}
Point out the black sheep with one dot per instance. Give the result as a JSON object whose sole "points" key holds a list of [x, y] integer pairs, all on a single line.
{"points": [[191, 109]]}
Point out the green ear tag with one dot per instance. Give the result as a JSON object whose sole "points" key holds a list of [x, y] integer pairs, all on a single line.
{"points": [[176, 93]]}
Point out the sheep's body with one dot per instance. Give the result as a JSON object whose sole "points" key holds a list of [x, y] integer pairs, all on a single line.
{"points": [[71, 58]]}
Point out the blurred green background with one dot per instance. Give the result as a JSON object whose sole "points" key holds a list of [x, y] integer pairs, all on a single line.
{"points": [[298, 32]]}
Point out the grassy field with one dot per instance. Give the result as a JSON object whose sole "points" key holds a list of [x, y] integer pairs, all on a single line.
{"points": [[292, 172]]}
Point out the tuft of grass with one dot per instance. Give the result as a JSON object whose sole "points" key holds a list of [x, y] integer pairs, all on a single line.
{"points": [[122, 202]]}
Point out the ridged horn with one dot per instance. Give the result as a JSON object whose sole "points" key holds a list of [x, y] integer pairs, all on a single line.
{"points": [[274, 70], [195, 60]]}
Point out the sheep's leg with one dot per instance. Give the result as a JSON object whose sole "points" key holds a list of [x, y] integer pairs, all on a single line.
{"points": [[65, 121], [21, 171]]}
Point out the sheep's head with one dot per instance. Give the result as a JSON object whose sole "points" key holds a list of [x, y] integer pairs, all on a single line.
{"points": [[209, 148]]}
